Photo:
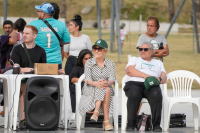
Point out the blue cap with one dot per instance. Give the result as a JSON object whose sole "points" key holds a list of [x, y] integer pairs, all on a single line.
{"points": [[45, 7]]}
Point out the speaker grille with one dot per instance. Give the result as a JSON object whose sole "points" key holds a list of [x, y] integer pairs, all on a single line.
{"points": [[54, 96], [43, 112], [31, 96]]}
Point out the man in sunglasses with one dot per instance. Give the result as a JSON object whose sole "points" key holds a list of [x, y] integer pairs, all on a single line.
{"points": [[158, 41]]}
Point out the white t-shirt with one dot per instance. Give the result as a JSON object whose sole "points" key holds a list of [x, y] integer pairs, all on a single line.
{"points": [[77, 44], [152, 68], [123, 33]]}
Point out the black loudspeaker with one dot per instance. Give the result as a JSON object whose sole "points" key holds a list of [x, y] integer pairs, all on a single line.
{"points": [[42, 103]]}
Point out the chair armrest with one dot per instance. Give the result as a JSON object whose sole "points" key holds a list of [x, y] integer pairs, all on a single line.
{"points": [[81, 78]]}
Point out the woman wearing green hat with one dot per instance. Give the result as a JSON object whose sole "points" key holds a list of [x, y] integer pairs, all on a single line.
{"points": [[97, 91], [144, 76]]}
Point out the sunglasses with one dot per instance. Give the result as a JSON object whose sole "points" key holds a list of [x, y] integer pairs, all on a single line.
{"points": [[145, 49], [97, 49], [38, 11]]}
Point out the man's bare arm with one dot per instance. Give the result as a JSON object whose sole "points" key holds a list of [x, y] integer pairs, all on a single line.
{"points": [[161, 52], [131, 71]]}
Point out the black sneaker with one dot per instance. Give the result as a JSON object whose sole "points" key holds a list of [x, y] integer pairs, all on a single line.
{"points": [[157, 128], [22, 124], [129, 128]]}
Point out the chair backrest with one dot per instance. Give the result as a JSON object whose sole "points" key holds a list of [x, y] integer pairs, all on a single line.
{"points": [[181, 81]]}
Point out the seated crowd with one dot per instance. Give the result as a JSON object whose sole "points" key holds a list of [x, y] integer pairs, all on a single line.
{"points": [[97, 91]]}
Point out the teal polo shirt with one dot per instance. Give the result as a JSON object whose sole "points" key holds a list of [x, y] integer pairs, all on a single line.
{"points": [[48, 40]]}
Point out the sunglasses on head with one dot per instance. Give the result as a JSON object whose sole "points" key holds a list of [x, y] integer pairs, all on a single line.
{"points": [[145, 49], [98, 49]]}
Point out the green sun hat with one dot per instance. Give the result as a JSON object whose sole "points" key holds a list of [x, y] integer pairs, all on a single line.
{"points": [[150, 82], [101, 43]]}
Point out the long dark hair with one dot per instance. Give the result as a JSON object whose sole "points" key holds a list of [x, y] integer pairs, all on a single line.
{"points": [[56, 10], [77, 19], [81, 55], [79, 61], [19, 24]]}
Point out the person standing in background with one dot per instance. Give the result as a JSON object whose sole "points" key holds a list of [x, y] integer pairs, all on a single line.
{"points": [[56, 16], [123, 33], [46, 38], [15, 39], [78, 42], [16, 36], [71, 51], [7, 27], [157, 40]]}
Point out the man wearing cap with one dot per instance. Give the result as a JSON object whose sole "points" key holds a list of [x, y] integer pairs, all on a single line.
{"points": [[46, 38], [157, 40], [123, 33], [144, 75]]}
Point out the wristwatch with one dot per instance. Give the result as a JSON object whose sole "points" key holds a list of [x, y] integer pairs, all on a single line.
{"points": [[160, 79]]}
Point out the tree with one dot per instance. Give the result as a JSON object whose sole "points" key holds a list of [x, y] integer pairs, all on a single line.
{"points": [[63, 9], [171, 9], [120, 4]]}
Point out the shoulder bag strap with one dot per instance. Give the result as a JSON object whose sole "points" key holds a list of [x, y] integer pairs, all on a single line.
{"points": [[31, 65], [51, 29]]}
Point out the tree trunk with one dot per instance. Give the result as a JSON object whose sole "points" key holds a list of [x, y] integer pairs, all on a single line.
{"points": [[171, 9], [63, 9], [121, 4]]}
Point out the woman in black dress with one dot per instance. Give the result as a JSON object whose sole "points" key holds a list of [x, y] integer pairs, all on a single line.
{"points": [[77, 71]]}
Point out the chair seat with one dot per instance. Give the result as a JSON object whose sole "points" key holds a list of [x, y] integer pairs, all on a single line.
{"points": [[184, 100], [144, 100]]}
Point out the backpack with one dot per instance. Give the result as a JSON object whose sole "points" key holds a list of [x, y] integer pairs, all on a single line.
{"points": [[144, 123]]}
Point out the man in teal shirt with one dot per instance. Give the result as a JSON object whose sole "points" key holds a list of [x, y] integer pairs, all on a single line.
{"points": [[46, 38]]}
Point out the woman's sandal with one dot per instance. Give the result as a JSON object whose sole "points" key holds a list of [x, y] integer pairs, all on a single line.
{"points": [[107, 128], [93, 117]]}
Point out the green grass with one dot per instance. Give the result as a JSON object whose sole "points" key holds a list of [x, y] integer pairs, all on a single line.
{"points": [[133, 8]]}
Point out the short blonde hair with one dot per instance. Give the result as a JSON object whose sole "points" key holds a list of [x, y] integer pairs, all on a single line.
{"points": [[33, 28]]}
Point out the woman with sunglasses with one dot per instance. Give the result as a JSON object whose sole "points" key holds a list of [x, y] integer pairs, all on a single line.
{"points": [[139, 69], [97, 91], [77, 71]]}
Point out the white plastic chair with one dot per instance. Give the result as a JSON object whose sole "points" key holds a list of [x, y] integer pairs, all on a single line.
{"points": [[80, 121], [181, 84], [144, 100]]}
